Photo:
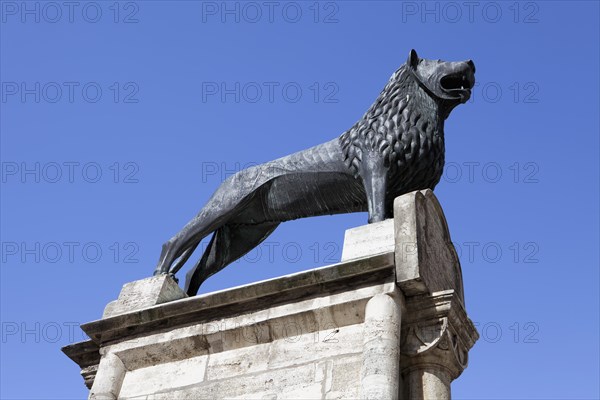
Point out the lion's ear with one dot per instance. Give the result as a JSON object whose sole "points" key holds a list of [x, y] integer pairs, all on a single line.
{"points": [[413, 59]]}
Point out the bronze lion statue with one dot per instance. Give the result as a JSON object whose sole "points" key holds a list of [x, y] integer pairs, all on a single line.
{"points": [[395, 148]]}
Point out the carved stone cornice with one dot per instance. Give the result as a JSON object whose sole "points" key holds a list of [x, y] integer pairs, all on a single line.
{"points": [[87, 355], [436, 331]]}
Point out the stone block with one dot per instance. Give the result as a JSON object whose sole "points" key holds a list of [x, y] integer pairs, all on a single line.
{"points": [[157, 378], [345, 377], [316, 346], [426, 260], [368, 240], [243, 361], [144, 293], [289, 383]]}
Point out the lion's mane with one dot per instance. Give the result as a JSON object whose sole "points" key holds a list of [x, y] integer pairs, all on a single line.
{"points": [[402, 124]]}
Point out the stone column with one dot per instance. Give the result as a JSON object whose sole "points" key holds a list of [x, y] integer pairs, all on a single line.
{"points": [[436, 338], [427, 382], [380, 373], [109, 378]]}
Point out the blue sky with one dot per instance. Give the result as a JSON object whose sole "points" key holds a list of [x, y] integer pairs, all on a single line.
{"points": [[119, 120]]}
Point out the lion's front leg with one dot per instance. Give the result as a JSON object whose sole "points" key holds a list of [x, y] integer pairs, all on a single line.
{"points": [[374, 175]]}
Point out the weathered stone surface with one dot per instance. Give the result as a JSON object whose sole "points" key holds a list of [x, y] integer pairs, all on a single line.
{"points": [[369, 240], [381, 348], [245, 360], [162, 377], [428, 383], [346, 373], [144, 293], [316, 346], [426, 260], [292, 383], [109, 378]]}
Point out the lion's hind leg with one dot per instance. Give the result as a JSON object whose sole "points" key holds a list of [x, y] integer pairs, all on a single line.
{"points": [[228, 243], [181, 246]]}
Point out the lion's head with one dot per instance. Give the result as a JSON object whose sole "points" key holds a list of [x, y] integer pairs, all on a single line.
{"points": [[448, 82], [404, 121]]}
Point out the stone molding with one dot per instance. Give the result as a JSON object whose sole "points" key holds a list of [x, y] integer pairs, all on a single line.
{"points": [[87, 355], [436, 330]]}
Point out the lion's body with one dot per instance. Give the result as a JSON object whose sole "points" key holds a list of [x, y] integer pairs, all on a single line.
{"points": [[307, 183], [395, 148], [300, 185]]}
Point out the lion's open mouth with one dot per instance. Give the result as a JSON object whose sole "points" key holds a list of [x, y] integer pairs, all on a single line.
{"points": [[457, 81], [458, 85]]}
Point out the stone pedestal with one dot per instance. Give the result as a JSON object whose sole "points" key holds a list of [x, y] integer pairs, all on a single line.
{"points": [[387, 322]]}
